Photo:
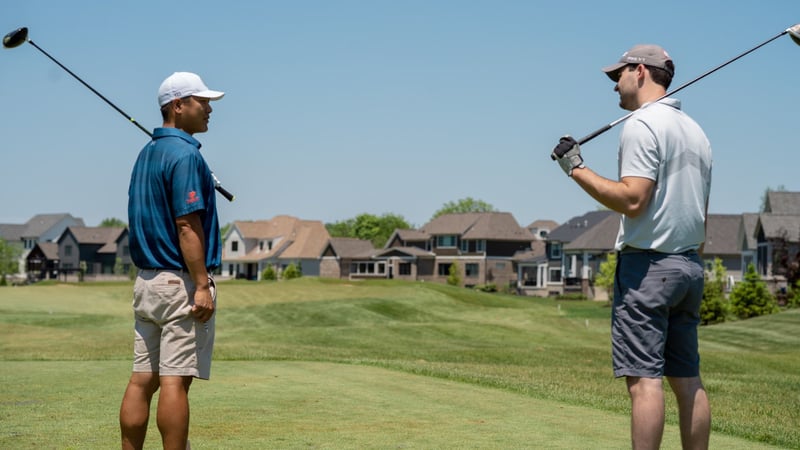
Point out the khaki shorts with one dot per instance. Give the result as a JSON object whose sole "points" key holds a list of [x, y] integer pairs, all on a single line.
{"points": [[168, 339]]}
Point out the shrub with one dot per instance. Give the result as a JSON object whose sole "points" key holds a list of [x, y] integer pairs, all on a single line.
{"points": [[751, 298], [573, 296], [715, 307], [269, 274], [453, 277], [605, 274], [793, 298], [291, 272], [489, 287]]}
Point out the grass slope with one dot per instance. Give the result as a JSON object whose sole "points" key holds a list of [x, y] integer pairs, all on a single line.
{"points": [[453, 354]]}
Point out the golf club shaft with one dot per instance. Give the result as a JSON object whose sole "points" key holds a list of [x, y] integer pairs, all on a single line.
{"points": [[611, 125], [217, 184]]}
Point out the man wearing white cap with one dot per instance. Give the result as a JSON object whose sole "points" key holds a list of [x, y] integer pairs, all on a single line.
{"points": [[175, 243], [662, 193]]}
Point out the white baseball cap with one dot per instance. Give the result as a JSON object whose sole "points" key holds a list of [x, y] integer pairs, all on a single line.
{"points": [[184, 84]]}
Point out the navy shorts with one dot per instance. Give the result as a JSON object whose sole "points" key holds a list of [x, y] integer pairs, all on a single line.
{"points": [[656, 312]]}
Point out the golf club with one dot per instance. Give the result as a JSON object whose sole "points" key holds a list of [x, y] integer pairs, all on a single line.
{"points": [[20, 36], [794, 33]]}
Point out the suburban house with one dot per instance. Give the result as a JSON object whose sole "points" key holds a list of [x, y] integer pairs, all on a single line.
{"points": [[43, 261], [481, 245], [540, 229], [249, 247], [723, 241], [94, 252], [348, 258], [39, 229], [777, 233], [574, 253]]}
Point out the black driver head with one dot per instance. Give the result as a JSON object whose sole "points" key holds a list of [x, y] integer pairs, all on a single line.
{"points": [[15, 38]]}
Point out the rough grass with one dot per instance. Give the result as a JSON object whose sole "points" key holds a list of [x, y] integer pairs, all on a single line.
{"points": [[521, 349]]}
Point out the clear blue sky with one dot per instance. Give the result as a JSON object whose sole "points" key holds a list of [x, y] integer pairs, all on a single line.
{"points": [[336, 108]]}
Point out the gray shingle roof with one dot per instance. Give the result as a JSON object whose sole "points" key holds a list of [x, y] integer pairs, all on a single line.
{"points": [[777, 226], [351, 247], [782, 202], [578, 225], [602, 236], [722, 234], [41, 223]]}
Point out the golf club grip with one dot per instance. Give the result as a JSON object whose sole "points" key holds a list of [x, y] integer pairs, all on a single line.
{"points": [[224, 193]]}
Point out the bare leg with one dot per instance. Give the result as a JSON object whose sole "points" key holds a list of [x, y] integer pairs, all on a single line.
{"points": [[135, 410], [694, 412], [173, 412], [647, 412]]}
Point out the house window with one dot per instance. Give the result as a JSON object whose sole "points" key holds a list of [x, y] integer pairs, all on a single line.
{"points": [[555, 250], [500, 266], [261, 246], [471, 270], [30, 243], [446, 240], [480, 246], [404, 269], [444, 269], [368, 268], [465, 246], [234, 246], [67, 250], [555, 275]]}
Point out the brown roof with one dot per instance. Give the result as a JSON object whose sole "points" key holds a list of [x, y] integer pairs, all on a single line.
{"points": [[411, 251], [294, 238], [345, 247], [49, 249], [535, 253], [265, 229], [411, 235], [546, 224], [308, 240], [486, 225]]}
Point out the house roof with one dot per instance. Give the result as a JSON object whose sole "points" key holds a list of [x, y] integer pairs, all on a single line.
{"points": [[546, 224], [411, 235], [299, 239], [49, 250], [722, 234], [782, 202], [537, 253], [485, 225], [96, 235], [747, 231], [777, 226], [345, 247], [41, 223], [601, 236], [578, 225], [410, 251], [12, 232]]}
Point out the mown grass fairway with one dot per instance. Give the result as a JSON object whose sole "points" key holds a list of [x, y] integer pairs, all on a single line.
{"points": [[327, 364]]}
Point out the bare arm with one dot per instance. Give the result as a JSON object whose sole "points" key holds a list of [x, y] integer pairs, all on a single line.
{"points": [[629, 196], [191, 238]]}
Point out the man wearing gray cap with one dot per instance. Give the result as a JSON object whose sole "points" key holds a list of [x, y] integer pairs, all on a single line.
{"points": [[175, 244], [662, 193]]}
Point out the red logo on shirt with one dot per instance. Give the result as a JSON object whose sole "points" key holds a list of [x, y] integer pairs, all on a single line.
{"points": [[192, 198]]}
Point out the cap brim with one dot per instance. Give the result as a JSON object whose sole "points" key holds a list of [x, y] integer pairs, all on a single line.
{"points": [[613, 70], [209, 94]]}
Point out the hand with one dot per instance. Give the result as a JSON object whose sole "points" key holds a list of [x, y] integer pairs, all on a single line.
{"points": [[568, 154], [203, 307]]}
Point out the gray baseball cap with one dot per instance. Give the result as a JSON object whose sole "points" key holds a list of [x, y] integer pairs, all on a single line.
{"points": [[647, 54]]}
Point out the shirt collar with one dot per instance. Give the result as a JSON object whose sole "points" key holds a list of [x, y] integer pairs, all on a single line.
{"points": [[175, 132]]}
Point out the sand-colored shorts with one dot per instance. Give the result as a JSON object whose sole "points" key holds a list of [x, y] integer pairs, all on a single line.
{"points": [[169, 340]]}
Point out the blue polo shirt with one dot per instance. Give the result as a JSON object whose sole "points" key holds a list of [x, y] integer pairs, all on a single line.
{"points": [[170, 179]]}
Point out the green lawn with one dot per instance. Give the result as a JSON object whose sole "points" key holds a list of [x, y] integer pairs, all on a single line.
{"points": [[317, 363]]}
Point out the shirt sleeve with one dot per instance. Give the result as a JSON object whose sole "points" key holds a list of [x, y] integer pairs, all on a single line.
{"points": [[639, 155], [187, 185]]}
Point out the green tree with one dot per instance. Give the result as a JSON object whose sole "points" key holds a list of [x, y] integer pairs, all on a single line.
{"points": [[714, 307], [464, 205], [269, 274], [605, 274], [369, 227], [113, 222], [291, 272], [751, 298], [453, 275], [9, 258]]}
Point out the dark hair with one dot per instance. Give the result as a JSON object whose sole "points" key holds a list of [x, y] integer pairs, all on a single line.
{"points": [[663, 76], [166, 108]]}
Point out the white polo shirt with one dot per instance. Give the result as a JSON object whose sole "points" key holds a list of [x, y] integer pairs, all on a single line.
{"points": [[662, 143]]}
